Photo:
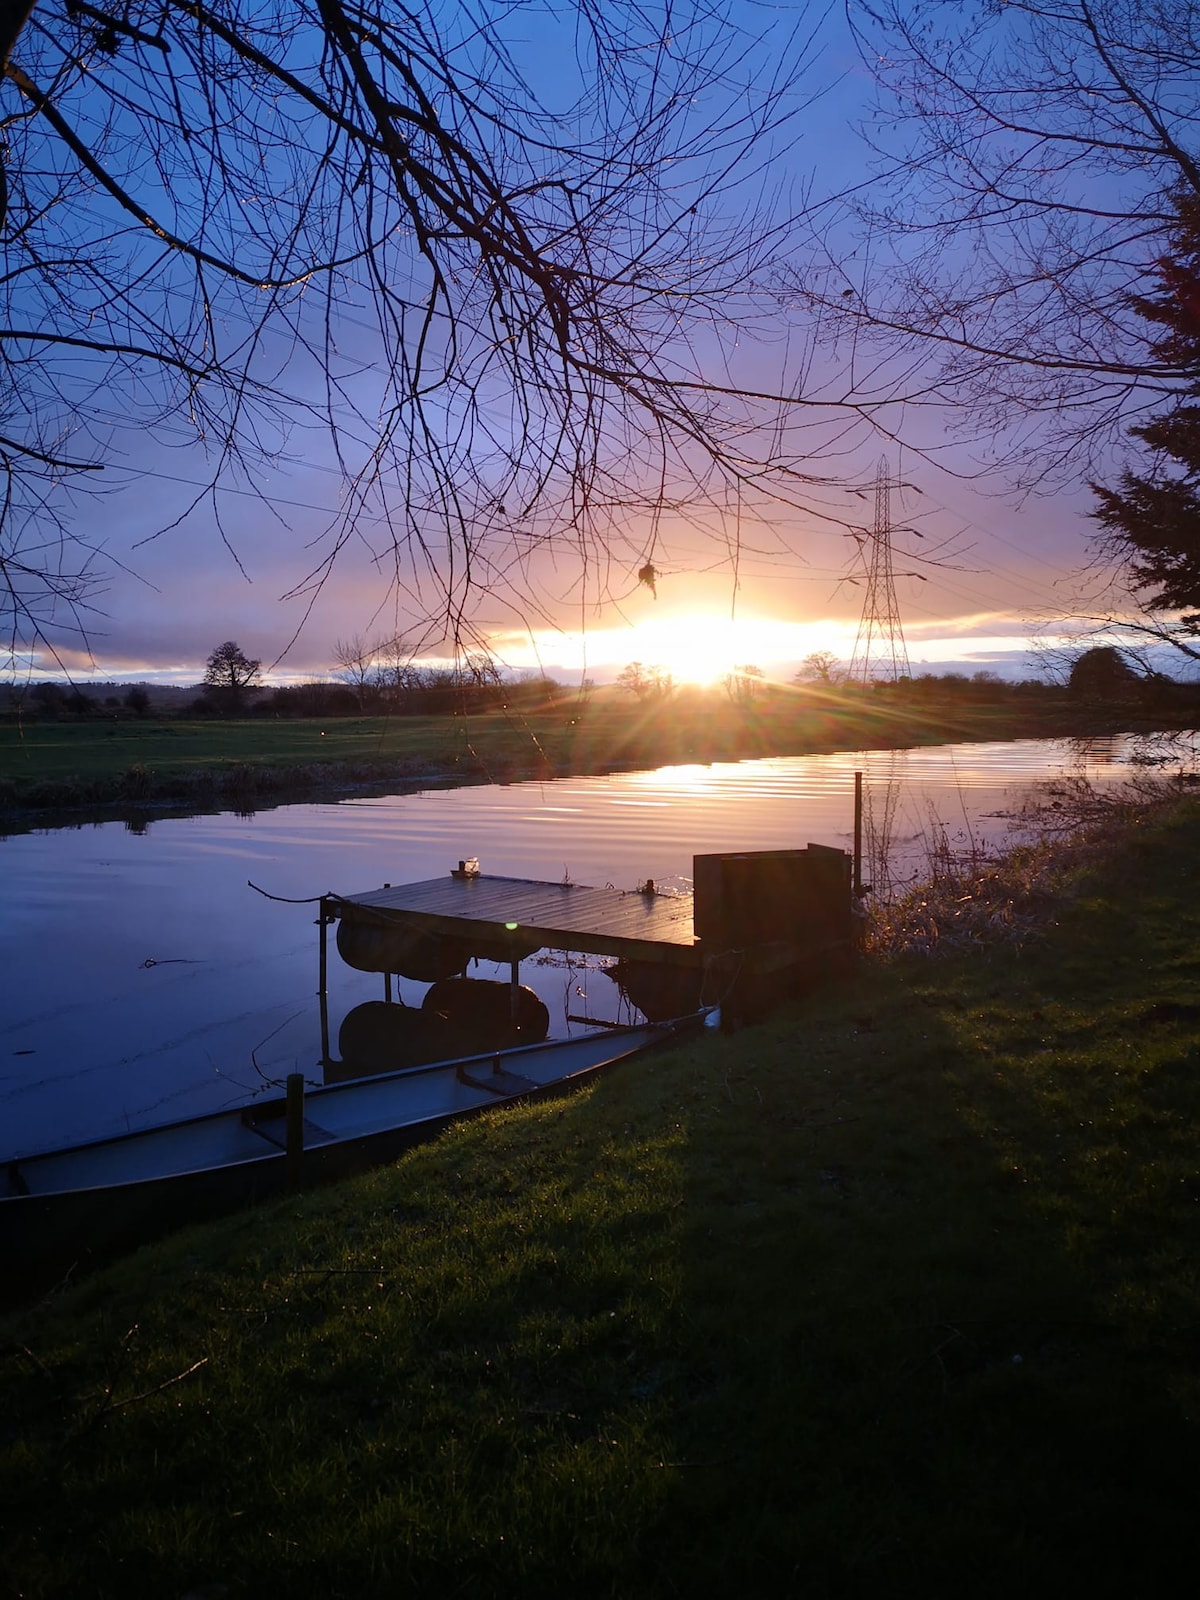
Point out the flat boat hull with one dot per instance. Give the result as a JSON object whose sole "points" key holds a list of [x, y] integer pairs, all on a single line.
{"points": [[77, 1206]]}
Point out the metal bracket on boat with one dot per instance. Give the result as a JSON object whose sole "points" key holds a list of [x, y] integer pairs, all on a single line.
{"points": [[498, 1082]]}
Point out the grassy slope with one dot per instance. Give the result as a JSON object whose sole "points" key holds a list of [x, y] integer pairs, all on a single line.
{"points": [[894, 1295]]}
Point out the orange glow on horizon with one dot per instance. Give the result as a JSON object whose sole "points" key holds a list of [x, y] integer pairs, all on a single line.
{"points": [[692, 647]]}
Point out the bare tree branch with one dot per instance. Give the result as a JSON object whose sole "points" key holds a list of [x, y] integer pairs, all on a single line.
{"points": [[1026, 156], [511, 313]]}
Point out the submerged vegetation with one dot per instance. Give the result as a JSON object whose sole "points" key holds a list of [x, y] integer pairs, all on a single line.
{"points": [[894, 1294]]}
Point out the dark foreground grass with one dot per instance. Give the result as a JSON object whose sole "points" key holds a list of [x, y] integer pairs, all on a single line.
{"points": [[896, 1295]]}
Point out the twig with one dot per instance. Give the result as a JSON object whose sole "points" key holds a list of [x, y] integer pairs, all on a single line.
{"points": [[147, 1394], [24, 1350]]}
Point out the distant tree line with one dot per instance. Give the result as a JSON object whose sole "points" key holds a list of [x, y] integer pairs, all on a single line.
{"points": [[407, 688], [379, 680], [50, 702], [1100, 675], [423, 692]]}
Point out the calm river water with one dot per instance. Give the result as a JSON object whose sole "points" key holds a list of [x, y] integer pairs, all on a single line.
{"points": [[144, 980]]}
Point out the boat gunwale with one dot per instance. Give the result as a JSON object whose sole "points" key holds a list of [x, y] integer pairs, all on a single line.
{"points": [[329, 1092]]}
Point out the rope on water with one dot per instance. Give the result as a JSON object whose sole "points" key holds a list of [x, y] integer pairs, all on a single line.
{"points": [[308, 900]]}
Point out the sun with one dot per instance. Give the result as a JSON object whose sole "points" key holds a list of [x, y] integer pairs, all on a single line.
{"points": [[693, 647], [703, 648]]}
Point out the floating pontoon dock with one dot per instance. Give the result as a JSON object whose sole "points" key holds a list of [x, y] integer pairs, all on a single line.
{"points": [[752, 913], [526, 914]]}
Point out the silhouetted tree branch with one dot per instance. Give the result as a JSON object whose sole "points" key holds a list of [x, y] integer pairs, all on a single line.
{"points": [[501, 309], [1026, 155]]}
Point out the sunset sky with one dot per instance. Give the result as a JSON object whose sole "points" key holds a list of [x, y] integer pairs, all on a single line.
{"points": [[1011, 572], [980, 572]]}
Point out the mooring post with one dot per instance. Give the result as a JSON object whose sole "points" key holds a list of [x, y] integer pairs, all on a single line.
{"points": [[858, 815], [294, 1156], [387, 987], [514, 996], [323, 921]]}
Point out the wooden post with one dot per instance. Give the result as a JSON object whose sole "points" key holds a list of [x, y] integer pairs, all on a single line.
{"points": [[294, 1156], [323, 921], [387, 987], [858, 819], [514, 996]]}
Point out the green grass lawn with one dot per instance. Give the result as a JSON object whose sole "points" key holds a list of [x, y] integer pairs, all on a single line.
{"points": [[87, 750], [894, 1295]]}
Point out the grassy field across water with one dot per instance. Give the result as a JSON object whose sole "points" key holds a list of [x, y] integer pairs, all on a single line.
{"points": [[896, 1294], [94, 762]]}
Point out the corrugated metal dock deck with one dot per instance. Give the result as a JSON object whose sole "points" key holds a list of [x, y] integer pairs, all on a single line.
{"points": [[556, 916]]}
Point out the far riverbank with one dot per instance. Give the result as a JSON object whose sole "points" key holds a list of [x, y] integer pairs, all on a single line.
{"points": [[61, 769]]}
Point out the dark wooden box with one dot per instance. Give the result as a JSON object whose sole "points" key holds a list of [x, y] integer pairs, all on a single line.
{"points": [[752, 897]]}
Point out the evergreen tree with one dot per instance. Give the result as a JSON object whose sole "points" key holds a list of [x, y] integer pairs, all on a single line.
{"points": [[1153, 518], [1102, 673]]}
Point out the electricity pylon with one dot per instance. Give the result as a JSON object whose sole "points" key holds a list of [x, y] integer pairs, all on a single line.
{"points": [[879, 649]]}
